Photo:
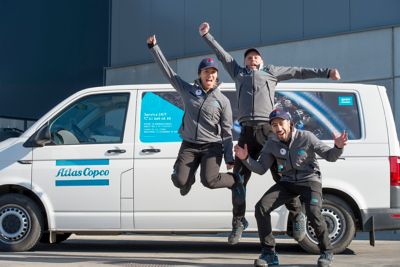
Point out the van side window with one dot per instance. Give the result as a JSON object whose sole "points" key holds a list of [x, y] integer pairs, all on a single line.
{"points": [[322, 112], [160, 117], [92, 119]]}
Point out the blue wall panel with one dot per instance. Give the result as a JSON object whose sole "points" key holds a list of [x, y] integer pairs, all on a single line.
{"points": [[197, 12], [240, 23], [167, 22], [281, 20], [374, 13], [131, 21], [49, 50], [322, 17]]}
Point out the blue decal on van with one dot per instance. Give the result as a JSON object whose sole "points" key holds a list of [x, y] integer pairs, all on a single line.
{"points": [[82, 182], [80, 162], [159, 120], [345, 100]]}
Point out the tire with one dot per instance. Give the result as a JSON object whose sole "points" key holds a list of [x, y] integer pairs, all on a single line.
{"points": [[21, 223], [45, 239], [340, 222]]}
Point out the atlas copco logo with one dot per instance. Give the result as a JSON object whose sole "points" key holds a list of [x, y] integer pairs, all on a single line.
{"points": [[87, 172]]}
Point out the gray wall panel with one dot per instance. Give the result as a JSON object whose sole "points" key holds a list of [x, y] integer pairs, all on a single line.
{"points": [[396, 48], [397, 104], [281, 20], [168, 22], [374, 13], [323, 17], [131, 22], [197, 12], [240, 23], [359, 56]]}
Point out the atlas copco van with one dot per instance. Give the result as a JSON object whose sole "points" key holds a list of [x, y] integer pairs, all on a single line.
{"points": [[100, 163]]}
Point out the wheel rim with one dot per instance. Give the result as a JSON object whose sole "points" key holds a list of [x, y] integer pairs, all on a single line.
{"points": [[335, 223], [14, 224]]}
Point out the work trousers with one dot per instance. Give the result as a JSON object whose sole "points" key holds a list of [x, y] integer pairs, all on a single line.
{"points": [[255, 137], [208, 157], [310, 194]]}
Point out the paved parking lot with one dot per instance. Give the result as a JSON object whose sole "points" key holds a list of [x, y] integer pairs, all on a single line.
{"points": [[150, 251]]}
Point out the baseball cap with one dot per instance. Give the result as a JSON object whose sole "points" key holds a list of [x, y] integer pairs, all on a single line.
{"points": [[252, 49], [207, 63], [279, 113]]}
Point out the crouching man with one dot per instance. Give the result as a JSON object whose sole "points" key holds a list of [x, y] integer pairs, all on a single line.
{"points": [[295, 152]]}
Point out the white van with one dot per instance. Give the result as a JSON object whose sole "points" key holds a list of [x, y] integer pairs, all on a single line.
{"points": [[100, 163]]}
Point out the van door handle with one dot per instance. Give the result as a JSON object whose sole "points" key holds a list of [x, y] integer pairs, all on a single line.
{"points": [[151, 150], [116, 151]]}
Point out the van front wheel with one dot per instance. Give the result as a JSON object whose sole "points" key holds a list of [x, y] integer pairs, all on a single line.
{"points": [[20, 223], [340, 222]]}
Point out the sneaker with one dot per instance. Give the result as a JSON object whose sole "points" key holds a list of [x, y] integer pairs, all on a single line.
{"points": [[238, 190], [185, 190], [267, 258], [299, 227], [239, 225], [325, 259]]}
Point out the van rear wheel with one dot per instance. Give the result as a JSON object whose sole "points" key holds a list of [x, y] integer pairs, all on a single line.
{"points": [[21, 223], [340, 222]]}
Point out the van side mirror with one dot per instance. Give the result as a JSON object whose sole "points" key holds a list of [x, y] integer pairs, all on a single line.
{"points": [[40, 138]]}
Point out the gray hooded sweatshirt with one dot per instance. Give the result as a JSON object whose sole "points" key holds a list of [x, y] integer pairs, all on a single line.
{"points": [[296, 162], [208, 115], [255, 89]]}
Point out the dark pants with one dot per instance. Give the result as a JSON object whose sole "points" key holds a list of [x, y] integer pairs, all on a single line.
{"points": [[209, 157], [255, 137], [310, 193]]}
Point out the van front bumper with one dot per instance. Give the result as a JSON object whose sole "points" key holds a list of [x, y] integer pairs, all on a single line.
{"points": [[380, 219]]}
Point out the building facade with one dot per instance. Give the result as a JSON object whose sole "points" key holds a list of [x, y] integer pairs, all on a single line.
{"points": [[73, 44]]}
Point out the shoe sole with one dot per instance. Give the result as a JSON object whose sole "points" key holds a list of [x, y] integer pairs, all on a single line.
{"points": [[262, 263], [258, 263]]}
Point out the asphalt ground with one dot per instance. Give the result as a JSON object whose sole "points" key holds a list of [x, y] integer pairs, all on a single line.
{"points": [[172, 250]]}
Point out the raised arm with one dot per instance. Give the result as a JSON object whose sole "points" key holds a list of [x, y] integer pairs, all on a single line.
{"points": [[326, 152], [227, 60], [287, 73], [165, 68]]}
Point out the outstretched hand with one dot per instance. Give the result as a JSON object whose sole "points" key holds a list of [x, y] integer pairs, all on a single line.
{"points": [[240, 152], [340, 139], [204, 28], [334, 75], [151, 40]]}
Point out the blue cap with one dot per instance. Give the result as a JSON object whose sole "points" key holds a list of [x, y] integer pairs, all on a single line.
{"points": [[279, 113], [252, 49], [207, 63]]}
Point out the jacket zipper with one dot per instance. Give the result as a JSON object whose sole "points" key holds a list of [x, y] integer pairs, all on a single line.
{"points": [[254, 91], [198, 117], [291, 165]]}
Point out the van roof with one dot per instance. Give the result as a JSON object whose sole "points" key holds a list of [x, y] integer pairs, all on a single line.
{"points": [[333, 85]]}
